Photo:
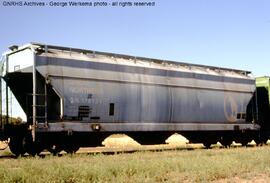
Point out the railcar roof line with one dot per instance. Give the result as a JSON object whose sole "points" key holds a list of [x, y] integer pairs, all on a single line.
{"points": [[46, 48]]}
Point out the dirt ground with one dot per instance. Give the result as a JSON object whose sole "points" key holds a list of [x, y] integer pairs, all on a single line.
{"points": [[255, 179]]}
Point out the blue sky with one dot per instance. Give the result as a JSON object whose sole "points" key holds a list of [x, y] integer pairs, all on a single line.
{"points": [[228, 33], [224, 33]]}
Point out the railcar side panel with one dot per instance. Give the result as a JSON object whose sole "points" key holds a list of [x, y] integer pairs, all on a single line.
{"points": [[145, 95]]}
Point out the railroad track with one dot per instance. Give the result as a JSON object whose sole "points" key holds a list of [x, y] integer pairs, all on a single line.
{"points": [[130, 149], [141, 148], [154, 148]]}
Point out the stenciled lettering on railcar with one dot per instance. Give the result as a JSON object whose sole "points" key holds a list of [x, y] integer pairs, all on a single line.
{"points": [[81, 90]]}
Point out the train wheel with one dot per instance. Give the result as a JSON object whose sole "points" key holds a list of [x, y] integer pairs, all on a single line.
{"points": [[71, 149], [21, 144], [207, 145], [258, 143], [39, 147], [261, 142], [38, 150], [71, 145], [226, 143], [244, 143], [29, 145], [55, 149], [16, 145]]}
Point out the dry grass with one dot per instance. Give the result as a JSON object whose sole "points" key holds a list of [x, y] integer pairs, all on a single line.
{"points": [[216, 165]]}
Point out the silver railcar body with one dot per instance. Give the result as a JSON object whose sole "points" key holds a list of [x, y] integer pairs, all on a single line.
{"points": [[87, 91]]}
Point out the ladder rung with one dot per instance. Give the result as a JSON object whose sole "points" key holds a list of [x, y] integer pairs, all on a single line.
{"points": [[37, 117], [38, 94], [40, 105]]}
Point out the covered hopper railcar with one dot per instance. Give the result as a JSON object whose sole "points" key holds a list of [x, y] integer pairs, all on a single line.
{"points": [[74, 97]]}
